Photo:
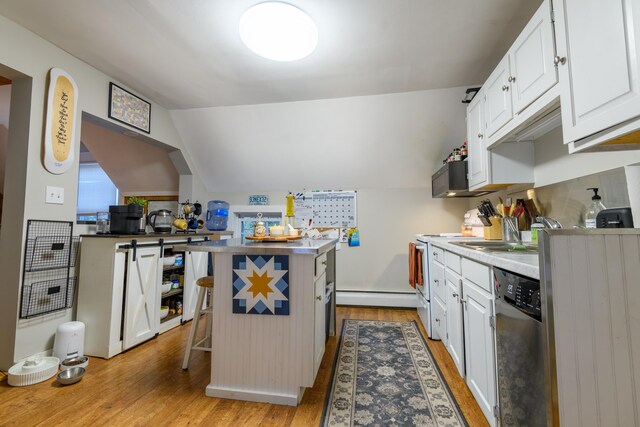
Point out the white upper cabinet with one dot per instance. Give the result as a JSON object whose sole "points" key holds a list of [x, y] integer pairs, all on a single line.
{"points": [[599, 64], [477, 159], [498, 108], [531, 60], [525, 73]]}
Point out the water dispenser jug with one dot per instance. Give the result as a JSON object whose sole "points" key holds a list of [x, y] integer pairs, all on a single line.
{"points": [[217, 215]]}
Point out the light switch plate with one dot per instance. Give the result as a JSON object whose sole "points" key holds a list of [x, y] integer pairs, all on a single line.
{"points": [[54, 195]]}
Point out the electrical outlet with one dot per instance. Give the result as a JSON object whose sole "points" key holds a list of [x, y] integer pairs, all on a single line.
{"points": [[54, 195]]}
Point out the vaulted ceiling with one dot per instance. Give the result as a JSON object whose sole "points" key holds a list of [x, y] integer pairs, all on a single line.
{"points": [[188, 54], [321, 120]]}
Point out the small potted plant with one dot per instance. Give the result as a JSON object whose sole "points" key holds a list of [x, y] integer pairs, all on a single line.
{"points": [[135, 200], [142, 202]]}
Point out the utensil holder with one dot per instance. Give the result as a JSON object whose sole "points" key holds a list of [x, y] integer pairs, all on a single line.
{"points": [[510, 229], [494, 232]]}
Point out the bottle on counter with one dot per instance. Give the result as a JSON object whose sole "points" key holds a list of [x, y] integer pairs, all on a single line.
{"points": [[594, 208], [535, 227]]}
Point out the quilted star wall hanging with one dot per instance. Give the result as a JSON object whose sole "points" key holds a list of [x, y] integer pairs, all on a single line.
{"points": [[261, 284]]}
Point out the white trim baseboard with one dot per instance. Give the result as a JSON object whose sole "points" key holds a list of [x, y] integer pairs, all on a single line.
{"points": [[377, 299]]}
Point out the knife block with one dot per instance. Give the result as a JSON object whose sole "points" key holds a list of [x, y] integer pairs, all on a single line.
{"points": [[494, 232]]}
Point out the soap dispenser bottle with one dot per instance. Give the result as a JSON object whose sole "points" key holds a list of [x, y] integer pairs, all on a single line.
{"points": [[592, 211]]}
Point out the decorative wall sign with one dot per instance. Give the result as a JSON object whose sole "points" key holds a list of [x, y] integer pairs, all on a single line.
{"points": [[261, 284], [127, 108], [62, 114], [258, 199]]}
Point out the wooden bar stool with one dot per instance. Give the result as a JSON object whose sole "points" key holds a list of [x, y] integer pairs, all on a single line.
{"points": [[205, 287]]}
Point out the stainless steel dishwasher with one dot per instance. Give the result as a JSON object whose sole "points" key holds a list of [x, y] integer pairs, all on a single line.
{"points": [[520, 350]]}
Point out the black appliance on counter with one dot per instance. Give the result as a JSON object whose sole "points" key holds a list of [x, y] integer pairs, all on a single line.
{"points": [[126, 219], [451, 181], [614, 218]]}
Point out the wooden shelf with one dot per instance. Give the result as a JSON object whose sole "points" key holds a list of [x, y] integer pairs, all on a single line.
{"points": [[172, 267], [171, 293], [170, 317]]}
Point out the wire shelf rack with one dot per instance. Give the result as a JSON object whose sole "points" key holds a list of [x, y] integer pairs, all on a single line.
{"points": [[47, 296], [50, 251]]}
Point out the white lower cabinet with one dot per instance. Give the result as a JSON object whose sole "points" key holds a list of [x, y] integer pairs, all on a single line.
{"points": [[320, 285], [464, 319], [439, 320], [141, 308], [480, 357], [120, 289], [455, 336]]}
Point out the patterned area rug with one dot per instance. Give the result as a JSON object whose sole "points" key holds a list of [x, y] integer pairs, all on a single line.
{"points": [[384, 375]]}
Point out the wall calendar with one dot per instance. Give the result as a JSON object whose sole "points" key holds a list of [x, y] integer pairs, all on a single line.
{"points": [[327, 209]]}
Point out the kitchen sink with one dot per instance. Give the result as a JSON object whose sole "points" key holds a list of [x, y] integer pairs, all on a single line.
{"points": [[500, 247]]}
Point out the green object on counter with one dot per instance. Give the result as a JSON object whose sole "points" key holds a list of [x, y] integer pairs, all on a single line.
{"points": [[535, 227]]}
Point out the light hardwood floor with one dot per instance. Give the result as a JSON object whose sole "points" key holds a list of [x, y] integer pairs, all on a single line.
{"points": [[146, 386]]}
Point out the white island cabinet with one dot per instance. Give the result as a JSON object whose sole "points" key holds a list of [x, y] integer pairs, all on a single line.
{"points": [[269, 326], [120, 292]]}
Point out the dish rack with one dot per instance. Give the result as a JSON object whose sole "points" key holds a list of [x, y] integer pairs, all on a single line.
{"points": [[50, 252]]}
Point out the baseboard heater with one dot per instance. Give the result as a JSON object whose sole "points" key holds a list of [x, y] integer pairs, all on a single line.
{"points": [[377, 299]]}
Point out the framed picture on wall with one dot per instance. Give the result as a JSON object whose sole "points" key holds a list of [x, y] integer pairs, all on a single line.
{"points": [[127, 108]]}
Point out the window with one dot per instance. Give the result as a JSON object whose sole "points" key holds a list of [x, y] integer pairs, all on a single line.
{"points": [[96, 192]]}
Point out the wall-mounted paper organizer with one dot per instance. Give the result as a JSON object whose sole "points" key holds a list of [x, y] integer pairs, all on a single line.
{"points": [[50, 252]]}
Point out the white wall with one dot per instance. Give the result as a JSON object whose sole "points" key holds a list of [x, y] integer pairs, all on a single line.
{"points": [[383, 141], [26, 59], [5, 103], [386, 147]]}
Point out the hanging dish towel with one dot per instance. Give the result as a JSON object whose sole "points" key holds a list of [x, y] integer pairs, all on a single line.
{"points": [[415, 266]]}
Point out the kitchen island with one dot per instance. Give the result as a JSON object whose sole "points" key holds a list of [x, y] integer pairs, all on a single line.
{"points": [[270, 317]]}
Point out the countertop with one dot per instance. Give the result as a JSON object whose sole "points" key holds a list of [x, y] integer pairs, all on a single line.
{"points": [[172, 235], [299, 247], [525, 264]]}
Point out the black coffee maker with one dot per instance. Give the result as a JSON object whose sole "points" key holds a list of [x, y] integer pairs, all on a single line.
{"points": [[125, 219]]}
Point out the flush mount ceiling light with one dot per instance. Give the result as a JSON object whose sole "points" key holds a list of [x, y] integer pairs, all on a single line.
{"points": [[278, 31]]}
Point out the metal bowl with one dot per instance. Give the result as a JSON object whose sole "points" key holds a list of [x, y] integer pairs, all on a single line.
{"points": [[74, 362], [70, 376]]}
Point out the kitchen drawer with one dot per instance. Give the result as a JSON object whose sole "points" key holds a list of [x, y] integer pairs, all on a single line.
{"points": [[321, 265], [436, 277], [437, 254], [452, 261], [477, 273]]}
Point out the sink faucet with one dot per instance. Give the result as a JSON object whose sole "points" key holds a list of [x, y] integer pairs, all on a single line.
{"points": [[549, 222]]}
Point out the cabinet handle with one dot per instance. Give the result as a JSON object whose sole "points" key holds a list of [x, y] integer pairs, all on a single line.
{"points": [[436, 281], [479, 135], [505, 88], [319, 297], [463, 301], [559, 60], [435, 254], [437, 320], [511, 79], [324, 263], [455, 295]]}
